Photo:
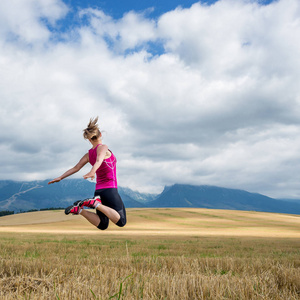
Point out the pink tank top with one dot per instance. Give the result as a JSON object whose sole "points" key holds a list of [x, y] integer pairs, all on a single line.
{"points": [[106, 173]]}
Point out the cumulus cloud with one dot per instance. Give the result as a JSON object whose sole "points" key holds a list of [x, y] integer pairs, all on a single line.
{"points": [[132, 31], [27, 20], [202, 95]]}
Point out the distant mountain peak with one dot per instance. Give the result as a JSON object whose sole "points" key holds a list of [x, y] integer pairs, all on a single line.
{"points": [[27, 195]]}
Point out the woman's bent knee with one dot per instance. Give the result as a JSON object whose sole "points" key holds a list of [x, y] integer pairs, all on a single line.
{"points": [[121, 222], [102, 225]]}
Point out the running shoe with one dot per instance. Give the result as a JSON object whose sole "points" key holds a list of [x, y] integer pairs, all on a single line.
{"points": [[73, 209], [88, 202]]}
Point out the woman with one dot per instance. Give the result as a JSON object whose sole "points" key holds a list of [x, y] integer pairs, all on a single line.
{"points": [[107, 201]]}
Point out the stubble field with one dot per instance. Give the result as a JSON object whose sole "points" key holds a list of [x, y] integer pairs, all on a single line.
{"points": [[160, 254]]}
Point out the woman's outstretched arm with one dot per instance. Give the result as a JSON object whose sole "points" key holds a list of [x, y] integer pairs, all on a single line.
{"points": [[83, 161]]}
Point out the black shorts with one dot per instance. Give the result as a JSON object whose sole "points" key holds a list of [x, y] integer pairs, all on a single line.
{"points": [[111, 198]]}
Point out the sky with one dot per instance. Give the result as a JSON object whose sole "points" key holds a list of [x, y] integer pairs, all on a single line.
{"points": [[202, 93]]}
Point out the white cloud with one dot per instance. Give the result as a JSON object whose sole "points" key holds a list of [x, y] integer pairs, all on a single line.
{"points": [[219, 106], [132, 31], [26, 19]]}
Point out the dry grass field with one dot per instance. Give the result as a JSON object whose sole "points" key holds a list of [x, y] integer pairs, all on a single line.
{"points": [[164, 221], [159, 254]]}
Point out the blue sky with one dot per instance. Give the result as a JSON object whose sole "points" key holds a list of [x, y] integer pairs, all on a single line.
{"points": [[203, 94], [117, 8]]}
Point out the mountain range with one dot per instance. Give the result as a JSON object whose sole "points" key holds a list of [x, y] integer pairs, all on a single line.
{"points": [[21, 196]]}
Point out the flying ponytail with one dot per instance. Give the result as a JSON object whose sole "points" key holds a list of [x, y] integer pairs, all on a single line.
{"points": [[92, 131]]}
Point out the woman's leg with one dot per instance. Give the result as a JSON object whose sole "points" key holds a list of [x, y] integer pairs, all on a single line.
{"points": [[113, 209], [91, 217], [112, 214], [94, 218], [111, 205]]}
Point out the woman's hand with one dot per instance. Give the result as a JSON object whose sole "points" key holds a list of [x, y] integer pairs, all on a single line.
{"points": [[58, 179], [89, 175]]}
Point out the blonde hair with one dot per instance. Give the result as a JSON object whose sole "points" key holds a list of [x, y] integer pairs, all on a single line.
{"points": [[92, 131]]}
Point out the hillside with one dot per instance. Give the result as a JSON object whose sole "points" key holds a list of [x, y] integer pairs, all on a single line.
{"points": [[24, 196], [221, 198]]}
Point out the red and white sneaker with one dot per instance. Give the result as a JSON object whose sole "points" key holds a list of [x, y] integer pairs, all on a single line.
{"points": [[88, 202], [73, 209]]}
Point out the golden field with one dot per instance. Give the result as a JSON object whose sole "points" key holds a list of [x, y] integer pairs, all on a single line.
{"points": [[163, 221], [159, 254]]}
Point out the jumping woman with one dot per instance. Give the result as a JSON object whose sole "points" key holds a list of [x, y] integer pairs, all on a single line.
{"points": [[107, 201]]}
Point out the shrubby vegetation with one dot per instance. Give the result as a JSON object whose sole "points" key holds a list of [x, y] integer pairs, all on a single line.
{"points": [[11, 212], [6, 212]]}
